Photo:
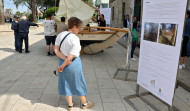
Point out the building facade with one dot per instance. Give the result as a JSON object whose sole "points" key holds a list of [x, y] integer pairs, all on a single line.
{"points": [[121, 8], [102, 3]]}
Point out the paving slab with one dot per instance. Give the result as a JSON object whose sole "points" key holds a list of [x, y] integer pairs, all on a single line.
{"points": [[27, 81]]}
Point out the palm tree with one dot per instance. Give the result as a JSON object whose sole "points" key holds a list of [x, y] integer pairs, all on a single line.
{"points": [[2, 17]]}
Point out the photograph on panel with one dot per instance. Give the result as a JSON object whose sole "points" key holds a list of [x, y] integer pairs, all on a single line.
{"points": [[151, 31], [168, 34]]}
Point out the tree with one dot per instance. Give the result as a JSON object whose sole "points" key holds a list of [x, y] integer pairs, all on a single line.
{"points": [[2, 17], [18, 13], [34, 10], [43, 5]]}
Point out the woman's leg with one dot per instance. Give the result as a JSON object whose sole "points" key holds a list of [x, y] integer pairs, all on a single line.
{"points": [[85, 104], [69, 100], [83, 99]]}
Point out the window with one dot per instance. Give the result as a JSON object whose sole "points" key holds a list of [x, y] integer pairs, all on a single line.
{"points": [[104, 5], [112, 13], [123, 10]]}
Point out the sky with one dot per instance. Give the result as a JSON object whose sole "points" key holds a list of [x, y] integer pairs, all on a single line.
{"points": [[8, 4]]}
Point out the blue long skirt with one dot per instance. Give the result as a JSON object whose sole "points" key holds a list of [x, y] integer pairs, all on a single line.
{"points": [[71, 80]]}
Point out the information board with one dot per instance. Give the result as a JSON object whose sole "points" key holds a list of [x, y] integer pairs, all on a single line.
{"points": [[161, 37]]}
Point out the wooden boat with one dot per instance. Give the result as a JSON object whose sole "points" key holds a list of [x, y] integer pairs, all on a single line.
{"points": [[93, 39]]}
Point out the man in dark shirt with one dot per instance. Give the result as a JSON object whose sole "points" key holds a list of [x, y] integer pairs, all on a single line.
{"points": [[126, 22], [102, 21], [23, 30], [14, 27]]}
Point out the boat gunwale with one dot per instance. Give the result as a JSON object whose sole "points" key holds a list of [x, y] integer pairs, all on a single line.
{"points": [[88, 30]]}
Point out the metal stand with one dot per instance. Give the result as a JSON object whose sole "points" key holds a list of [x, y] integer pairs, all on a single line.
{"points": [[127, 67], [126, 73], [140, 96]]}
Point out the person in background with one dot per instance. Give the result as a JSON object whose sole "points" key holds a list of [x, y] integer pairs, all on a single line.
{"points": [[95, 15], [14, 27], [185, 41], [101, 21], [126, 21], [10, 20], [138, 23], [71, 80], [61, 26], [50, 34], [23, 30], [126, 24], [134, 39]]}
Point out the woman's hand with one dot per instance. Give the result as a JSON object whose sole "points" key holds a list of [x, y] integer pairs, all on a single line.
{"points": [[66, 63], [60, 69]]}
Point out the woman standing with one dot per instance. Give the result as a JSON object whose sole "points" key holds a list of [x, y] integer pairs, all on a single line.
{"points": [[185, 41], [71, 79]]}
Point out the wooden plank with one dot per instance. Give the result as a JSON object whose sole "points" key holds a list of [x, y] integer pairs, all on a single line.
{"points": [[109, 28], [98, 32]]}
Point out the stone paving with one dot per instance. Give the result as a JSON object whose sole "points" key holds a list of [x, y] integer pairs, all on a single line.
{"points": [[27, 82]]}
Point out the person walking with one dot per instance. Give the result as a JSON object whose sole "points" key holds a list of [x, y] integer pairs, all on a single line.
{"points": [[50, 34], [71, 80], [134, 39], [185, 41], [14, 27], [61, 26], [23, 30]]}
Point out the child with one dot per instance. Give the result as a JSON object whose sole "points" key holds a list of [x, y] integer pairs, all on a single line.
{"points": [[134, 39]]}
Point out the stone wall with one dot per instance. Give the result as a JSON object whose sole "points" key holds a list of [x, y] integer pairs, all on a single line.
{"points": [[118, 13]]}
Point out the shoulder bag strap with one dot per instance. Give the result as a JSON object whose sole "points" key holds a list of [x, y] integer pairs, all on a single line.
{"points": [[63, 40]]}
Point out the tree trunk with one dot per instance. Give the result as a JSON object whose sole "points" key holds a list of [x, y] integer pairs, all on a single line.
{"points": [[34, 10], [2, 17]]}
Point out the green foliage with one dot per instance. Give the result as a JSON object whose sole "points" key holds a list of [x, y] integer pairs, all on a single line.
{"points": [[24, 14], [30, 17], [18, 13], [41, 4], [51, 10]]}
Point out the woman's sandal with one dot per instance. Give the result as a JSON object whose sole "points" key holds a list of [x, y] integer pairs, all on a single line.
{"points": [[70, 107]]}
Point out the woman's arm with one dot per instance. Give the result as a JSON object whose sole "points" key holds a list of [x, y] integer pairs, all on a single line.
{"points": [[58, 53]]}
